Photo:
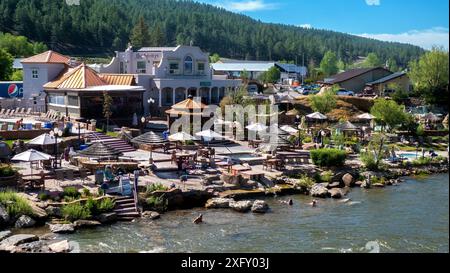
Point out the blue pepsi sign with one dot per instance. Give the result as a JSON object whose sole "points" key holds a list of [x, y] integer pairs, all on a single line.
{"points": [[11, 90]]}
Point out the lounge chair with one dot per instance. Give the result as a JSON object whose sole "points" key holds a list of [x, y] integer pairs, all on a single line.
{"points": [[7, 112], [22, 112], [28, 113], [2, 111], [12, 113]]}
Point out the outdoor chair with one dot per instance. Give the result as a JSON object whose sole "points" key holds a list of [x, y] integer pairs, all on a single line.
{"points": [[2, 111], [21, 184], [12, 113], [38, 126], [22, 112], [7, 112], [28, 113]]}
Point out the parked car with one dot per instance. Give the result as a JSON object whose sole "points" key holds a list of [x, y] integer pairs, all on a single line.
{"points": [[344, 92]]}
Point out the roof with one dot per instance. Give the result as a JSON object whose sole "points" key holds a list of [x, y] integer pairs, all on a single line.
{"points": [[388, 78], [350, 74], [17, 64], [150, 138], [80, 77], [292, 68], [118, 79], [189, 104], [156, 49], [49, 57], [99, 149], [241, 66]]}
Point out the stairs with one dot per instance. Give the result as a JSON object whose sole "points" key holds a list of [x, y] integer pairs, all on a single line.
{"points": [[116, 143], [125, 209]]}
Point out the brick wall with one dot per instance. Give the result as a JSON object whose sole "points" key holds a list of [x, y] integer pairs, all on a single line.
{"points": [[22, 134]]}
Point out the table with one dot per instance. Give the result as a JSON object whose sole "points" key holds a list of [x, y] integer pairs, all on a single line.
{"points": [[253, 175], [235, 170]]}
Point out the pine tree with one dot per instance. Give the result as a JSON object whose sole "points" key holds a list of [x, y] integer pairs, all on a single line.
{"points": [[140, 36]]}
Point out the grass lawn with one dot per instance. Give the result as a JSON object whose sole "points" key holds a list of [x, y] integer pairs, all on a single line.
{"points": [[434, 146], [111, 134], [10, 142]]}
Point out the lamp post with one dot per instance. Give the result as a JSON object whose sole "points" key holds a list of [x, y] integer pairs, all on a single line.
{"points": [[143, 120], [56, 133], [150, 101]]}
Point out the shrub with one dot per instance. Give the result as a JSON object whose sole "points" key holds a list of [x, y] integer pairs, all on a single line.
{"points": [[422, 161], [326, 176], [71, 192], [86, 192], [307, 139], [76, 211], [157, 203], [6, 170], [15, 205], [106, 205], [155, 187], [305, 182], [368, 160], [44, 196], [378, 180], [328, 157]]}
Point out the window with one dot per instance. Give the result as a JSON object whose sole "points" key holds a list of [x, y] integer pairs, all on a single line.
{"points": [[35, 73], [174, 68], [188, 65], [141, 67], [72, 100], [121, 68], [201, 68], [57, 99]]}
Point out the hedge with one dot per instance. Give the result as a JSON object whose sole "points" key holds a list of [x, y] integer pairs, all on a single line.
{"points": [[328, 157]]}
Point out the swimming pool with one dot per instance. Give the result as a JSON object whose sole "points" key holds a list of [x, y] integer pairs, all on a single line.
{"points": [[410, 155]]}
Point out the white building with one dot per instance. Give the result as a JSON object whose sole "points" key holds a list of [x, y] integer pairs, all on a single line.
{"points": [[170, 75]]}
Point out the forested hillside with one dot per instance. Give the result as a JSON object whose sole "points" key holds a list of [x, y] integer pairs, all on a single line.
{"points": [[99, 27]]}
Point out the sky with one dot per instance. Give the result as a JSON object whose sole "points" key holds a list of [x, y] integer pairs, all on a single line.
{"points": [[420, 22]]}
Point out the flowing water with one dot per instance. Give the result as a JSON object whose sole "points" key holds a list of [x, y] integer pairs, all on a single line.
{"points": [[411, 217]]}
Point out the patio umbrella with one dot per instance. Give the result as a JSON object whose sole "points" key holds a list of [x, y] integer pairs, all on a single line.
{"points": [[209, 134], [317, 116], [31, 156], [366, 116], [289, 129], [150, 138], [99, 149], [44, 139], [346, 126], [257, 127], [182, 136]]}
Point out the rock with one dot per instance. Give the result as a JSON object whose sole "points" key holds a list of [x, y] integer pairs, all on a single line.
{"points": [[218, 203], [348, 180], [365, 184], [11, 242], [33, 247], [319, 190], [153, 215], [62, 228], [358, 183], [53, 211], [4, 216], [24, 221], [241, 206], [60, 247], [334, 185], [335, 193], [106, 218], [4, 234], [86, 224], [260, 206], [378, 185]]}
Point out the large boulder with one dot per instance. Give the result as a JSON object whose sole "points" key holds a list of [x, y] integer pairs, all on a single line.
{"points": [[25, 221], [106, 218], [10, 243], [260, 206], [62, 228], [4, 216], [335, 193], [319, 190], [153, 215], [32, 247], [348, 180], [54, 211], [219, 203], [334, 185], [241, 206], [60, 247], [86, 224], [4, 234]]}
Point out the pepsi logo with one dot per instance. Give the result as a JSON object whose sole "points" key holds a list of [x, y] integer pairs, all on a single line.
{"points": [[13, 90]]}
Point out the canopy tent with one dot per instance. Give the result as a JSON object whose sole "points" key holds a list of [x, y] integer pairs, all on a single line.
{"points": [[150, 138], [346, 126], [44, 139], [317, 116], [182, 136], [101, 150], [366, 116]]}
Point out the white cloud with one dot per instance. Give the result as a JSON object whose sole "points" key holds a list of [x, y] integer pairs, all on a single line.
{"points": [[424, 38], [308, 26], [248, 5], [373, 2]]}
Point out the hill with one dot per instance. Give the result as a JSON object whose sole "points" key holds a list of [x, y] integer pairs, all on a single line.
{"points": [[98, 27]]}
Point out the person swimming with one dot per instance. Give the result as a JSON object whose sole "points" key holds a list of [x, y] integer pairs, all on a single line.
{"points": [[289, 202], [313, 203], [199, 219]]}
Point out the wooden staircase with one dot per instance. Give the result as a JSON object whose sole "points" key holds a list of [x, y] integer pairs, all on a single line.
{"points": [[125, 209], [116, 143]]}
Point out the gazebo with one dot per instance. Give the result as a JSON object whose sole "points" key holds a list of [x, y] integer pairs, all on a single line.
{"points": [[190, 108], [347, 128]]}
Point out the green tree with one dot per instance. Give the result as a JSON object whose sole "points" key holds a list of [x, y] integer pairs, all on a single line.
{"points": [[17, 75], [214, 58], [270, 76], [157, 36], [140, 35], [399, 95], [6, 62], [389, 113], [329, 64], [107, 112], [375, 152], [245, 75], [324, 102], [341, 65], [430, 76], [392, 65], [372, 60]]}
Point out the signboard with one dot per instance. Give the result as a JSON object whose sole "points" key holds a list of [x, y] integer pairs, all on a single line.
{"points": [[205, 84], [11, 90]]}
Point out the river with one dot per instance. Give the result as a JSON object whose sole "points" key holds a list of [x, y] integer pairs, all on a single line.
{"points": [[411, 217]]}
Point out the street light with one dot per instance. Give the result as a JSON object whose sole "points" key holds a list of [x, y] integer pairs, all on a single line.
{"points": [[150, 101], [56, 133]]}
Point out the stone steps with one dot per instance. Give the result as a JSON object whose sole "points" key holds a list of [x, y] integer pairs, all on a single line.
{"points": [[125, 209], [118, 144]]}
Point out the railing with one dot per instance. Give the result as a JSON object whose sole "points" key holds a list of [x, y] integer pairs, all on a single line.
{"points": [[135, 189]]}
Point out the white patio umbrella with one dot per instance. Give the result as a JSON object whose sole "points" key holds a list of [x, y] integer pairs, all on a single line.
{"points": [[317, 116], [31, 156], [366, 116], [289, 129], [209, 134], [257, 127], [182, 136], [44, 139]]}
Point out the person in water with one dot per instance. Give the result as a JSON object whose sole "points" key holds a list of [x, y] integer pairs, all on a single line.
{"points": [[199, 219], [314, 203], [289, 202]]}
